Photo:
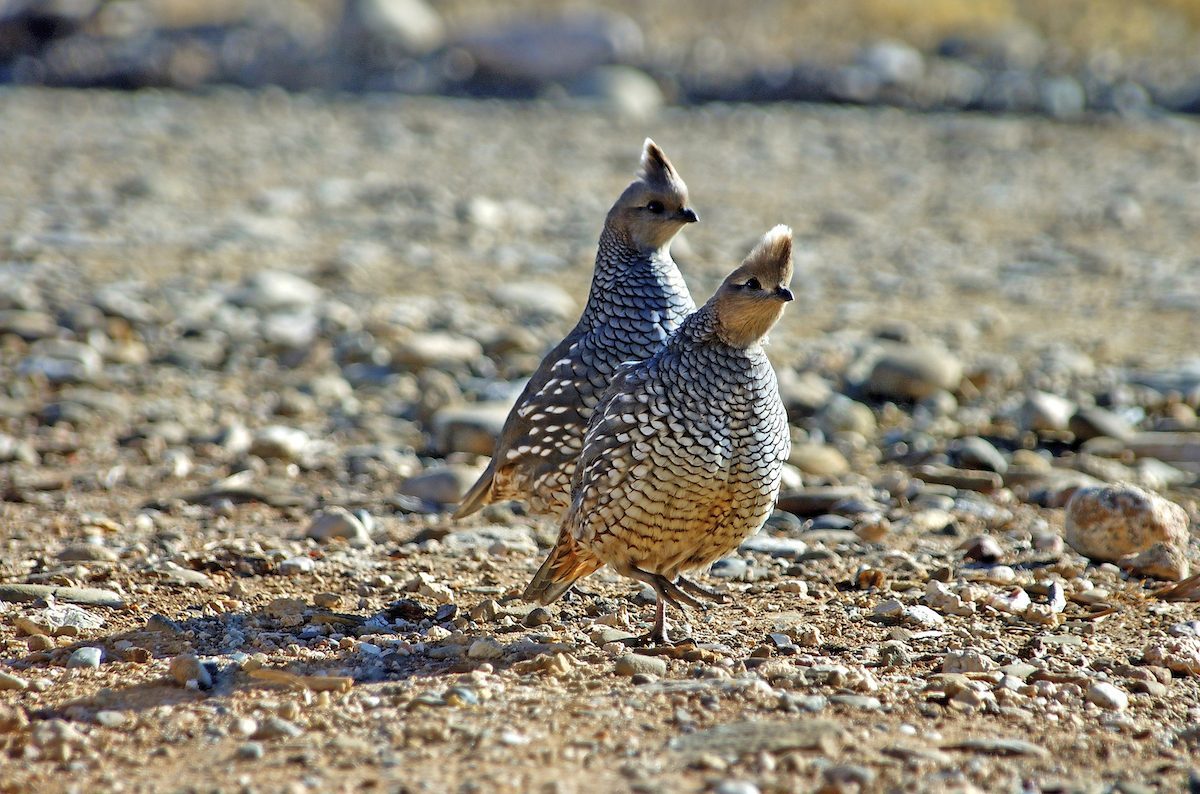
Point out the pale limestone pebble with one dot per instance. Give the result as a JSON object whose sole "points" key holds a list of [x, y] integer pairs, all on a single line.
{"points": [[913, 372], [1160, 561], [473, 429], [636, 664], [1107, 696], [441, 485], [967, 661], [940, 597], [1042, 412], [437, 349], [338, 522], [1179, 655], [271, 290], [8, 681], [486, 648], [296, 566], [1114, 521], [818, 460], [280, 442], [1014, 601]]}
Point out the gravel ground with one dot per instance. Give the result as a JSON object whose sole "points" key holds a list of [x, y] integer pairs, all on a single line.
{"points": [[252, 345]]}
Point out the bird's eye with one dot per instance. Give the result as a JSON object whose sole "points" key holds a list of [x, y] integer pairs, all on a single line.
{"points": [[656, 207], [752, 284]]}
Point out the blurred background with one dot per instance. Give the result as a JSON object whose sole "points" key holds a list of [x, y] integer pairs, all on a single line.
{"points": [[1062, 58]]}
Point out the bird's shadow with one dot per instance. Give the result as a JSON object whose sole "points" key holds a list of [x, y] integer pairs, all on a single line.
{"points": [[226, 643]]}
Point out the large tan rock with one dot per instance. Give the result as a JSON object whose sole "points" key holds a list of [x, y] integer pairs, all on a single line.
{"points": [[1114, 523]]}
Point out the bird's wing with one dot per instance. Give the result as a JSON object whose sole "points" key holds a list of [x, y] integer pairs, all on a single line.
{"points": [[651, 460], [544, 430]]}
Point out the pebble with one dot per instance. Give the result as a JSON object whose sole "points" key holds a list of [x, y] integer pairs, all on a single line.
{"points": [[12, 682], [554, 48], [272, 290], [1093, 422], [967, 662], [62, 361], [111, 719], [819, 460], [863, 702], [729, 568], [189, 673], [1160, 561], [1107, 696], [79, 595], [251, 751], [295, 566], [486, 648], [632, 664], [280, 442], [973, 452], [782, 547], [444, 485], [378, 31], [1114, 521], [277, 728], [913, 372], [87, 552], [338, 522], [736, 787], [86, 657], [473, 429], [438, 350], [1043, 411]]}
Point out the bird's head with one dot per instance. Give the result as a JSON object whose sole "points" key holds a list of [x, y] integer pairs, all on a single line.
{"points": [[655, 206], [750, 300]]}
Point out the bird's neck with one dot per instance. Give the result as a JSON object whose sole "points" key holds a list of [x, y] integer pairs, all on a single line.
{"points": [[709, 326], [617, 249]]}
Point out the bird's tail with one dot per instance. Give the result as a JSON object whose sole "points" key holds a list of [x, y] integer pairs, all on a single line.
{"points": [[480, 494], [566, 564]]}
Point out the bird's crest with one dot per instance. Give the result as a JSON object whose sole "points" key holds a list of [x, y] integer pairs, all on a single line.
{"points": [[771, 258], [656, 167]]}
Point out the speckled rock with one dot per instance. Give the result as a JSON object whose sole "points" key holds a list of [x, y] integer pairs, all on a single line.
{"points": [[1114, 521], [1161, 561]]}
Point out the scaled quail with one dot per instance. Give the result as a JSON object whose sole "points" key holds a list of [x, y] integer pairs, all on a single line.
{"points": [[684, 453], [637, 299]]}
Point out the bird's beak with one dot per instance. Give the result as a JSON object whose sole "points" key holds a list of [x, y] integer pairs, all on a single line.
{"points": [[784, 294], [687, 215]]}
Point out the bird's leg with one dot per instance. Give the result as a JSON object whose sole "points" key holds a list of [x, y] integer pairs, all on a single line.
{"points": [[659, 634], [701, 591], [666, 593]]}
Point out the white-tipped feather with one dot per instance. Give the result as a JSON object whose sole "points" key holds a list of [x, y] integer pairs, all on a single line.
{"points": [[775, 244]]}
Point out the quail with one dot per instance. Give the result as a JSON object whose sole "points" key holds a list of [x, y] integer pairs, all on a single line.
{"points": [[637, 298], [684, 453]]}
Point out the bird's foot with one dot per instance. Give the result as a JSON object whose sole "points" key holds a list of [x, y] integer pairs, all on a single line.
{"points": [[659, 644], [701, 591]]}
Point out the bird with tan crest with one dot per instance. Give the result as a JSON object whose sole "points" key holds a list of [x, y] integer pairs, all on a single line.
{"points": [[637, 298], [683, 456]]}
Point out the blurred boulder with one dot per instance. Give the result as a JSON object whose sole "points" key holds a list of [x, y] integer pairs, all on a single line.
{"points": [[553, 50]]}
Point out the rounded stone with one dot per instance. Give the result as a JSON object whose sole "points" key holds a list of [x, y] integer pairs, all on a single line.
{"points": [[1107, 696], [88, 658], [914, 372], [338, 522], [1111, 522], [632, 664]]}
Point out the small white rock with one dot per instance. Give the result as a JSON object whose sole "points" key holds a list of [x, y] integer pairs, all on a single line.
{"points": [[1107, 696]]}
